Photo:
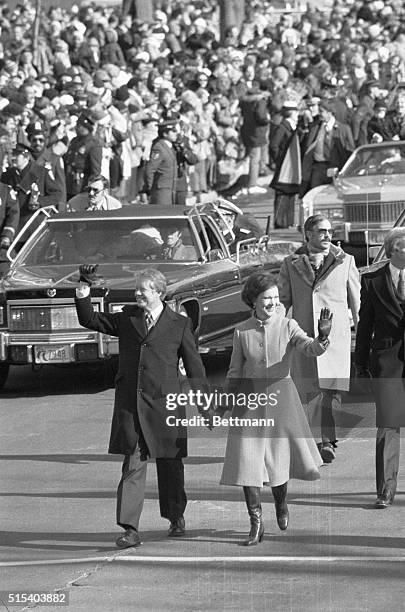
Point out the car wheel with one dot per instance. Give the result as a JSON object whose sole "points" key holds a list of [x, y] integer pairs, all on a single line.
{"points": [[4, 369]]}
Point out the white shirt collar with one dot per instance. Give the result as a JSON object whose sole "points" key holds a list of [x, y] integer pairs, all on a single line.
{"points": [[395, 272], [156, 312], [330, 124]]}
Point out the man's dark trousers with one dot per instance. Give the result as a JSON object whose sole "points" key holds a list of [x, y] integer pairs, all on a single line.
{"points": [[387, 459], [131, 489]]}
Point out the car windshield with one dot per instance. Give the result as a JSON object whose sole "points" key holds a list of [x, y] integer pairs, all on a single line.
{"points": [[388, 159], [112, 241]]}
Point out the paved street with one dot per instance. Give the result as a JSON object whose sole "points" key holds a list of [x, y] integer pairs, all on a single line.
{"points": [[58, 503]]}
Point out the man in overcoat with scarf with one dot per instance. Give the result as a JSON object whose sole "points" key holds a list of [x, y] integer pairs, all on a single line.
{"points": [[380, 353], [152, 339], [285, 152], [316, 276]]}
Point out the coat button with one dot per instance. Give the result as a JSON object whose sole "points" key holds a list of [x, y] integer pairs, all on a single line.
{"points": [[261, 344]]}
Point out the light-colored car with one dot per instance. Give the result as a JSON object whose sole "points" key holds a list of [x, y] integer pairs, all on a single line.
{"points": [[366, 196]]}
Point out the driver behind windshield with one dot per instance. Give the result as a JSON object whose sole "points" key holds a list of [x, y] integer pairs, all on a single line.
{"points": [[174, 247]]}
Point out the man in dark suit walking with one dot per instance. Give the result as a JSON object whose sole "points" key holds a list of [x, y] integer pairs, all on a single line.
{"points": [[380, 353], [152, 339], [161, 170]]}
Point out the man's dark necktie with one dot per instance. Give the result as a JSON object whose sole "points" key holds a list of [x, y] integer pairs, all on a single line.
{"points": [[401, 285], [148, 320]]}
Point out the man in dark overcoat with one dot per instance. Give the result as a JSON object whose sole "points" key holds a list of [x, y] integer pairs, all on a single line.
{"points": [[34, 185], [380, 353], [83, 159], [285, 152], [9, 217], [329, 144], [152, 339], [45, 157], [161, 171]]}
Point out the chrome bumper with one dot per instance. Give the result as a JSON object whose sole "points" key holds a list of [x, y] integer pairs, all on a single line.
{"points": [[107, 345]]}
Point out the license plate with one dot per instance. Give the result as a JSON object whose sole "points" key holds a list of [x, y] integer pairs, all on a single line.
{"points": [[55, 353]]}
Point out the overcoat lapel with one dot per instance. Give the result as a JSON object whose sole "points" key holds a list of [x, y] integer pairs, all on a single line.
{"points": [[302, 266], [331, 262], [384, 287], [162, 325], [138, 321]]}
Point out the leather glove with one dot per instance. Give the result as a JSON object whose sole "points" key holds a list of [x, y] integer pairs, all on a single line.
{"points": [[5, 242], [88, 274], [362, 371], [324, 324]]}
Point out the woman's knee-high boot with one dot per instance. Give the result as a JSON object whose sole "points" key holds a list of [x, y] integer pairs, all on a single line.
{"points": [[252, 497], [280, 502]]}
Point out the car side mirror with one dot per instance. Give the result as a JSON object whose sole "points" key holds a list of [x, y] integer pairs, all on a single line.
{"points": [[332, 172], [215, 255]]}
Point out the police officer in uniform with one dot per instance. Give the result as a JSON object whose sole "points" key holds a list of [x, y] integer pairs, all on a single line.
{"points": [[161, 169], [9, 217], [34, 184], [45, 157], [83, 157]]}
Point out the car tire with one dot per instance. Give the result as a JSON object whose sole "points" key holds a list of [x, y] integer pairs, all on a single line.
{"points": [[4, 369]]}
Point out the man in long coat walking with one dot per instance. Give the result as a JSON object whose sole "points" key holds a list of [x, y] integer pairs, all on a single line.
{"points": [[320, 275], [286, 154], [380, 353], [152, 339], [161, 171]]}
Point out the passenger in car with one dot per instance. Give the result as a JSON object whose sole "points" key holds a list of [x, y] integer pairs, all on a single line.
{"points": [[174, 247], [145, 242], [95, 197]]}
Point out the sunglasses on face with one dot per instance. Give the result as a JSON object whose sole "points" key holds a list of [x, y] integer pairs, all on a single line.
{"points": [[94, 191]]}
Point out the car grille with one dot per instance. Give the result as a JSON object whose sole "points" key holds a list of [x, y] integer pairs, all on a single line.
{"points": [[43, 318], [373, 212]]}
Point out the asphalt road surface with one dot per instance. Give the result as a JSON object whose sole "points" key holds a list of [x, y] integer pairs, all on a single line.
{"points": [[57, 508]]}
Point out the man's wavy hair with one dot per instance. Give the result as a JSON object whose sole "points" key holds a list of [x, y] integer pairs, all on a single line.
{"points": [[391, 239], [154, 277]]}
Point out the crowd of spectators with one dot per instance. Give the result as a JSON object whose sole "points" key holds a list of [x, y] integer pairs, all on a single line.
{"points": [[125, 76]]}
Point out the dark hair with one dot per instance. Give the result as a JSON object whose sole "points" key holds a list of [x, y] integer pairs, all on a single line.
{"points": [[99, 177], [255, 285], [397, 233], [312, 221]]}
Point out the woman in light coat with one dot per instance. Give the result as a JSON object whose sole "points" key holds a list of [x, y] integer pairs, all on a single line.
{"points": [[273, 443]]}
